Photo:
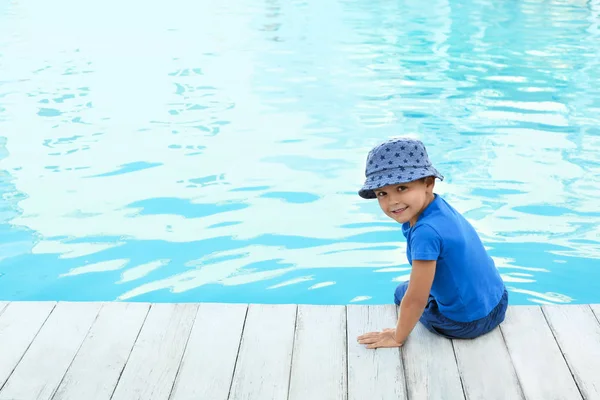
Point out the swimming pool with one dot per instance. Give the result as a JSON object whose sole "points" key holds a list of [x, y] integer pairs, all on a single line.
{"points": [[178, 152]]}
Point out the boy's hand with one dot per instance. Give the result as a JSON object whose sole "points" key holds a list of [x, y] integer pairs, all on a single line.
{"points": [[374, 340]]}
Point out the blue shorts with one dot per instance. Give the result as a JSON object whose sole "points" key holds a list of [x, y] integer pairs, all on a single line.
{"points": [[435, 322]]}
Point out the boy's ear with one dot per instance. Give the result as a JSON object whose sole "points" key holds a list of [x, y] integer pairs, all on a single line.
{"points": [[430, 181]]}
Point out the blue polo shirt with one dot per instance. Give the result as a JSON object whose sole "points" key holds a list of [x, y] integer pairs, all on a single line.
{"points": [[467, 284]]}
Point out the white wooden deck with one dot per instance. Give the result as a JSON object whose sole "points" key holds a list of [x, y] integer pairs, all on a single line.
{"points": [[130, 351]]}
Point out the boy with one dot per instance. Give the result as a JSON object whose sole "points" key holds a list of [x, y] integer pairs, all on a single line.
{"points": [[455, 289]]}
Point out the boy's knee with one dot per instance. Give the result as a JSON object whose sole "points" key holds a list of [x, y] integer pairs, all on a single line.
{"points": [[400, 292]]}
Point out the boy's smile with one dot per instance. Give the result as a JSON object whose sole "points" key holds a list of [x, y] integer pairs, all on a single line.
{"points": [[404, 202], [399, 210]]}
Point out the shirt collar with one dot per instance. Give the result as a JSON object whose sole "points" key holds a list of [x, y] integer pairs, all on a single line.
{"points": [[434, 205]]}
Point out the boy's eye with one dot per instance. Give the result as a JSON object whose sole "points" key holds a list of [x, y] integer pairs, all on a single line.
{"points": [[380, 194], [402, 188]]}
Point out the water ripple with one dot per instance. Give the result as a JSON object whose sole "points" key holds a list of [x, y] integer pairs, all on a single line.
{"points": [[213, 153]]}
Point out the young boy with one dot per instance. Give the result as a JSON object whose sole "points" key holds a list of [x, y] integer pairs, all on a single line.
{"points": [[455, 289]]}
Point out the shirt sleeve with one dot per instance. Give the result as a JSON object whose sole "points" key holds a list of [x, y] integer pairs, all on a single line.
{"points": [[425, 243]]}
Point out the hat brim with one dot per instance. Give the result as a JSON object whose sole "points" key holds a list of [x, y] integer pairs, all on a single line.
{"points": [[395, 176]]}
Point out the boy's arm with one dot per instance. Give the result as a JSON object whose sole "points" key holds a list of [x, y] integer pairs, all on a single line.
{"points": [[415, 299]]}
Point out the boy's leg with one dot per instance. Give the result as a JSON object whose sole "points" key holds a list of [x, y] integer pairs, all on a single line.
{"points": [[400, 292], [437, 323], [429, 318]]}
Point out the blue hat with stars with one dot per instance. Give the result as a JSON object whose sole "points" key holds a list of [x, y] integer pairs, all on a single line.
{"points": [[396, 161]]}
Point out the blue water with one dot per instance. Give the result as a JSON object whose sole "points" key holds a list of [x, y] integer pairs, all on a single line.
{"points": [[212, 151]]}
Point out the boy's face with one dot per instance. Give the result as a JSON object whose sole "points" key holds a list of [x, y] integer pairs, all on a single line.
{"points": [[405, 202]]}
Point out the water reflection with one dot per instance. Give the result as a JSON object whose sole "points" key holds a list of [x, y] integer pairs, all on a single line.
{"points": [[213, 153]]}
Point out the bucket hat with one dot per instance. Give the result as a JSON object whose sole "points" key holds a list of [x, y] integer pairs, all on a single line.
{"points": [[396, 161]]}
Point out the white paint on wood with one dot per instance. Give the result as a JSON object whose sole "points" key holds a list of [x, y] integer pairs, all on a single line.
{"points": [[262, 371], [537, 359], [207, 367], [430, 365], [373, 374], [486, 368], [19, 324], [319, 356], [152, 367], [39, 343], [94, 373], [577, 332], [43, 366], [596, 310]]}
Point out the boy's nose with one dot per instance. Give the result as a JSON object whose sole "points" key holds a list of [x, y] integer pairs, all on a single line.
{"points": [[393, 200]]}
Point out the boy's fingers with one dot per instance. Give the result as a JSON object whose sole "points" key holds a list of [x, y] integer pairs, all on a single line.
{"points": [[375, 345], [383, 344], [366, 341], [368, 335]]}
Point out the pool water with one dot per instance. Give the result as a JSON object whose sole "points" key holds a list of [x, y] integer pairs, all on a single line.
{"points": [[212, 151]]}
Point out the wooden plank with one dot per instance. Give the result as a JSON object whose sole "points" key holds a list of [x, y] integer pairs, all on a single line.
{"points": [[430, 365], [262, 371], [94, 373], [19, 323], [596, 310], [319, 355], [40, 371], [539, 364], [3, 305], [373, 374], [577, 332], [486, 368], [216, 335], [151, 369]]}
